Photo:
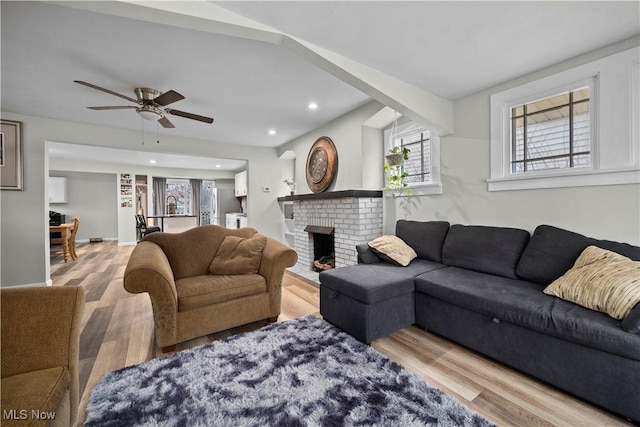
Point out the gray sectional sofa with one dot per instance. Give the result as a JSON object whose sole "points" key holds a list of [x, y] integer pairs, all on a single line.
{"points": [[482, 287]]}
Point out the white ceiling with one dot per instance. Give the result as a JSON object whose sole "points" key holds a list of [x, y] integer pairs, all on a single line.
{"points": [[450, 49]]}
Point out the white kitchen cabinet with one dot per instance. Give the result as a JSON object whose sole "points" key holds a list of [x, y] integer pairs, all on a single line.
{"points": [[241, 184], [57, 189]]}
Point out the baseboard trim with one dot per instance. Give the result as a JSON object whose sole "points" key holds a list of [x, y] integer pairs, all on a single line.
{"points": [[30, 285], [104, 239]]}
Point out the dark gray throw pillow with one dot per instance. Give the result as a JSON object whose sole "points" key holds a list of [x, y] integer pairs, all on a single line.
{"points": [[631, 323], [552, 251], [425, 237], [492, 250]]}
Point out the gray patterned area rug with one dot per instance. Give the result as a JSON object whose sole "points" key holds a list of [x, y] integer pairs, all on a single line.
{"points": [[302, 372]]}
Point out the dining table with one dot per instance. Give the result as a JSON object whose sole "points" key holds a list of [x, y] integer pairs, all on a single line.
{"points": [[65, 231]]}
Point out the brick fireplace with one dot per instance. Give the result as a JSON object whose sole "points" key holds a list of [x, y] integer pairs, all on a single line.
{"points": [[354, 215]]}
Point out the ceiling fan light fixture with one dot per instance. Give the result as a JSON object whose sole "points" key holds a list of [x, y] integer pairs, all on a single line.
{"points": [[151, 103], [149, 113]]}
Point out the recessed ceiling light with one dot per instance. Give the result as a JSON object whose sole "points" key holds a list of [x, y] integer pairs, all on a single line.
{"points": [[313, 106], [152, 161], [217, 166], [272, 131]]}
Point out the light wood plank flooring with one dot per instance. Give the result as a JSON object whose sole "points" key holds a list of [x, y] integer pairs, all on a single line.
{"points": [[118, 332]]}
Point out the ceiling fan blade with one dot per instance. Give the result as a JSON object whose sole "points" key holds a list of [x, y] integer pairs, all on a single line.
{"points": [[114, 107], [168, 98], [165, 122], [189, 115], [106, 90]]}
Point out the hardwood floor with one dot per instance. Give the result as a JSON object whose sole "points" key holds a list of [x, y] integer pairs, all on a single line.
{"points": [[118, 332]]}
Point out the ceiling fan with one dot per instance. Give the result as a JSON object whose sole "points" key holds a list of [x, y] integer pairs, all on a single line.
{"points": [[151, 104]]}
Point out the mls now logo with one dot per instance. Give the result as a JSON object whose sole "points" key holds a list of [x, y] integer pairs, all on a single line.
{"points": [[23, 414], [14, 414]]}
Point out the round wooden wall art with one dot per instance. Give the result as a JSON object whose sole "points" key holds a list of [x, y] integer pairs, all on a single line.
{"points": [[322, 164]]}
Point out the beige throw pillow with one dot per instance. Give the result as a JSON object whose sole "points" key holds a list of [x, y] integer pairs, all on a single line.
{"points": [[237, 255], [600, 280], [393, 249]]}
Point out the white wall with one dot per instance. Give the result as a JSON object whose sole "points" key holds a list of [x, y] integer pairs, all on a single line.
{"points": [[359, 153], [24, 232], [607, 212], [92, 197]]}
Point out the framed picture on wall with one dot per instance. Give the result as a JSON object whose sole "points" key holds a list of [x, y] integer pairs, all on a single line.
{"points": [[11, 155]]}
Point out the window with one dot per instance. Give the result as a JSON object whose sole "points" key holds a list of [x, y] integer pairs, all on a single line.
{"points": [[206, 203], [178, 192], [418, 165], [574, 128], [422, 166], [552, 133]]}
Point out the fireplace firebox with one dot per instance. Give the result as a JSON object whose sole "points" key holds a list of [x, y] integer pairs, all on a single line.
{"points": [[324, 251]]}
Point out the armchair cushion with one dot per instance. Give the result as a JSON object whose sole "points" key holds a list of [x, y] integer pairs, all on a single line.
{"points": [[40, 390], [40, 350], [237, 255], [201, 291]]}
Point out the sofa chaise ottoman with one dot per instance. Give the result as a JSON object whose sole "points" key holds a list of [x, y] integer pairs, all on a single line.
{"points": [[373, 301]]}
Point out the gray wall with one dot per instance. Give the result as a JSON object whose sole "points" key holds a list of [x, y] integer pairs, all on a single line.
{"points": [[92, 197]]}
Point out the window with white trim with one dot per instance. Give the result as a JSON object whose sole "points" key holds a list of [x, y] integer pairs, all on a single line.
{"points": [[418, 165], [598, 143], [423, 163], [552, 133]]}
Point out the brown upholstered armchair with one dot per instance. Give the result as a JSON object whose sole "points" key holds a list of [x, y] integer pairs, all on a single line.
{"points": [[40, 340], [192, 296]]}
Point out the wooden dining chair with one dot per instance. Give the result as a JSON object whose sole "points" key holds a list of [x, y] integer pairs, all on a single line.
{"points": [[72, 238]]}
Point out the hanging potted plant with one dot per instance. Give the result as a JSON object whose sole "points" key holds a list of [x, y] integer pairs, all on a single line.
{"points": [[397, 156], [394, 172]]}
